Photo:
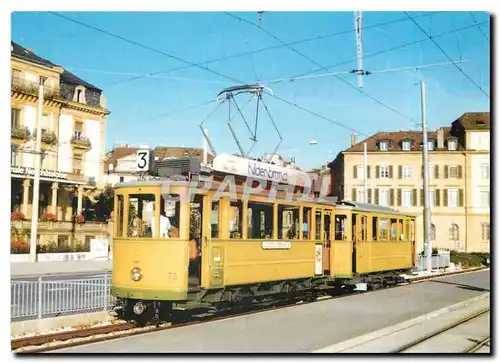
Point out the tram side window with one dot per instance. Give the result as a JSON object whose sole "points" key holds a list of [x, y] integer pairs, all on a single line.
{"points": [[364, 228], [288, 222], [306, 224], [318, 225], [400, 230], [119, 216], [140, 215], [394, 229], [383, 228], [260, 220], [235, 220], [215, 220], [374, 228], [170, 213], [407, 230], [340, 227]]}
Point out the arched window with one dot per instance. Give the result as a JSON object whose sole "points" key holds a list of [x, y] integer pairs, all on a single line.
{"points": [[433, 232], [454, 232]]}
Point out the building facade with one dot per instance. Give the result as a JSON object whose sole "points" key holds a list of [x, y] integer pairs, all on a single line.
{"points": [[73, 125], [121, 162], [459, 179]]}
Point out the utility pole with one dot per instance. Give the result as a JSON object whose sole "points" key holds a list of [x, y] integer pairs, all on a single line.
{"points": [[427, 210], [358, 24], [365, 168], [36, 181]]}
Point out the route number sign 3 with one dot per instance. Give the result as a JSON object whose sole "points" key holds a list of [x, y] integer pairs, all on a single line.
{"points": [[143, 160]]}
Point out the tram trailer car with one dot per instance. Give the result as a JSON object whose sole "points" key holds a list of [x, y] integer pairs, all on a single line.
{"points": [[223, 253]]}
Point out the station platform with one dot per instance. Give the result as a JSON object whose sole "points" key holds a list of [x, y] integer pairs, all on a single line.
{"points": [[305, 328], [28, 269]]}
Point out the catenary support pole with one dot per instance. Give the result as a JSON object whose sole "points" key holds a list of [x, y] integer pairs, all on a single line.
{"points": [[36, 179], [425, 158], [365, 162]]}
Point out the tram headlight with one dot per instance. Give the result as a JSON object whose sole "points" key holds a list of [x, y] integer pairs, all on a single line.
{"points": [[136, 274]]}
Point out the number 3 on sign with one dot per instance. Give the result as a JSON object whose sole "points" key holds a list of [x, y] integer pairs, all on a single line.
{"points": [[143, 160]]}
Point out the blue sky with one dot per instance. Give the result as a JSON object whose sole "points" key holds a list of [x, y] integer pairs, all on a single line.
{"points": [[202, 36]]}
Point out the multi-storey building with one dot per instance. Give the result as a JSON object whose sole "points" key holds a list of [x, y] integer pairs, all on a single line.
{"points": [[459, 176], [73, 136]]}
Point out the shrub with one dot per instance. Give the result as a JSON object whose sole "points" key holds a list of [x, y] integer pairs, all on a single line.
{"points": [[17, 216], [468, 260], [78, 218], [19, 246], [48, 217]]}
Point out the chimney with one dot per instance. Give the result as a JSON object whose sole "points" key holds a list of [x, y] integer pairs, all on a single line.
{"points": [[440, 138], [354, 139]]}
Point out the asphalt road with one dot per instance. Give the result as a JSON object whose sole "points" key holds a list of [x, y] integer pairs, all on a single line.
{"points": [[60, 295], [304, 328]]}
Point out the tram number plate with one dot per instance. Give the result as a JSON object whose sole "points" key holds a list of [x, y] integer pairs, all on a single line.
{"points": [[172, 276], [276, 245]]}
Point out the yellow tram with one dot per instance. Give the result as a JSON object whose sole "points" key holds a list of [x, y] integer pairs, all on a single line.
{"points": [[183, 244]]}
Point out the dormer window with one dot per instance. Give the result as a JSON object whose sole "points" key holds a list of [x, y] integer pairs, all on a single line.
{"points": [[384, 145], [406, 145], [452, 144], [480, 123], [430, 145], [79, 95]]}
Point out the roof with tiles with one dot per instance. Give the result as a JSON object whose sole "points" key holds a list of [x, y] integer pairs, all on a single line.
{"points": [[28, 55], [396, 138], [474, 121]]}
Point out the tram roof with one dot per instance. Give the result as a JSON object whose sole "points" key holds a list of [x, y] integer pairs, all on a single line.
{"points": [[365, 207]]}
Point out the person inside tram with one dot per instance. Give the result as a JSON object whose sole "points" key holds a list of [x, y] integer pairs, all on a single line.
{"points": [[165, 225]]}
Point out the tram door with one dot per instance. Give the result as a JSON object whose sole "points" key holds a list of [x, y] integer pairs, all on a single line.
{"points": [[327, 238], [355, 239], [195, 238]]}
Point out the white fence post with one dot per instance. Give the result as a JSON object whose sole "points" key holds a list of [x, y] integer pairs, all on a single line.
{"points": [[106, 296], [40, 297]]}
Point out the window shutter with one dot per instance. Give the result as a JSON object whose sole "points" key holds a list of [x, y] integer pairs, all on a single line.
{"points": [[353, 194], [390, 171], [376, 195], [355, 171], [377, 175], [421, 197], [438, 195], [400, 171], [369, 196], [445, 197], [391, 197], [446, 173], [399, 197], [460, 197], [414, 197], [460, 171], [436, 171], [368, 171]]}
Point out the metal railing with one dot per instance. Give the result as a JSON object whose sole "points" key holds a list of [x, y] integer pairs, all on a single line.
{"points": [[47, 297], [440, 261]]}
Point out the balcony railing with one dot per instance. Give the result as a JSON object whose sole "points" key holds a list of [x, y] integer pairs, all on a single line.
{"points": [[21, 133], [62, 226], [31, 88], [81, 142]]}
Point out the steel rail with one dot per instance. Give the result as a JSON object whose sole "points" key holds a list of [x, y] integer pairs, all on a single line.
{"points": [[129, 329]]}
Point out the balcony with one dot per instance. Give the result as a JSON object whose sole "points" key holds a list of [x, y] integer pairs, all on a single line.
{"points": [[20, 133], [81, 142], [48, 137], [31, 88]]}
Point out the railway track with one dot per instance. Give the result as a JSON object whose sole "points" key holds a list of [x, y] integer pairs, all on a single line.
{"points": [[472, 349], [66, 339]]}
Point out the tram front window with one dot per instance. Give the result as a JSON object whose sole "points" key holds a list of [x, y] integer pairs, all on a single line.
{"points": [[170, 211], [140, 215]]}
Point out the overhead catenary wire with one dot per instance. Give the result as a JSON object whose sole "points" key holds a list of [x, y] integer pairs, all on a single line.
{"points": [[391, 49], [479, 27], [306, 40], [147, 47], [319, 65], [446, 55]]}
